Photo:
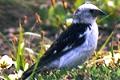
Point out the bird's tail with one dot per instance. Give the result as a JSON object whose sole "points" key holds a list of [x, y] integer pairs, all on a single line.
{"points": [[27, 73], [30, 70]]}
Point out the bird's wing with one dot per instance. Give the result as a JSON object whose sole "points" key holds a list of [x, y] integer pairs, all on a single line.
{"points": [[74, 36], [71, 38]]}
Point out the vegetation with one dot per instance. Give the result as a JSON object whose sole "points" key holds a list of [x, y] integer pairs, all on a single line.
{"points": [[24, 45]]}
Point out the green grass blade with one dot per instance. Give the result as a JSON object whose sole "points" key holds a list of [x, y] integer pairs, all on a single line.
{"points": [[20, 56], [103, 46]]}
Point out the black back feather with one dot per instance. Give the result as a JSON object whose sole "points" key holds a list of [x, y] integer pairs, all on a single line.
{"points": [[70, 37]]}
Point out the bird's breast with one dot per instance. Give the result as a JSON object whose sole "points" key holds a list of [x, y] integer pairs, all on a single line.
{"points": [[79, 54], [92, 37]]}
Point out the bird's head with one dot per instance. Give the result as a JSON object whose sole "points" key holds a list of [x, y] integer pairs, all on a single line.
{"points": [[87, 13]]}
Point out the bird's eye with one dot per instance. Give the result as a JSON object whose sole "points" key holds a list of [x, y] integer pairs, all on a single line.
{"points": [[92, 11]]}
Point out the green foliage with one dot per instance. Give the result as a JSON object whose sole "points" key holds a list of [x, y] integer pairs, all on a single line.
{"points": [[43, 11], [37, 62], [101, 72], [78, 3], [20, 61], [8, 1], [106, 42], [55, 16]]}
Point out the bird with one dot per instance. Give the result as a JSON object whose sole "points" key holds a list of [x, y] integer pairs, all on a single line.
{"points": [[75, 45]]}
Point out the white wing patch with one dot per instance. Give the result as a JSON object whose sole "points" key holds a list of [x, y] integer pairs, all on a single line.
{"points": [[55, 52], [66, 48], [86, 32]]}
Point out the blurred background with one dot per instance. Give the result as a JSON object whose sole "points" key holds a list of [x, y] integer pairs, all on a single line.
{"points": [[50, 18], [28, 28]]}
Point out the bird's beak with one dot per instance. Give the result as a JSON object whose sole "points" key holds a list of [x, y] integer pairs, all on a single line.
{"points": [[100, 12], [97, 12]]}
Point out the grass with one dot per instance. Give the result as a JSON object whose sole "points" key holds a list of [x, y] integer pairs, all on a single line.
{"points": [[93, 73], [102, 66], [96, 69]]}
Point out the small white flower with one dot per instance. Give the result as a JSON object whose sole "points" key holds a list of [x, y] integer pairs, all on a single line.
{"points": [[6, 62], [116, 57], [13, 77], [16, 75], [107, 59]]}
